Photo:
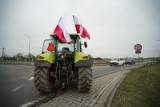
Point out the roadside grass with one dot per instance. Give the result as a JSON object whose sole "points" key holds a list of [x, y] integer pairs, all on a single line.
{"points": [[140, 88]]}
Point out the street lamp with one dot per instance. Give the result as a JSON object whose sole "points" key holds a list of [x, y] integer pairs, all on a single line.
{"points": [[29, 45], [158, 49], [3, 53]]}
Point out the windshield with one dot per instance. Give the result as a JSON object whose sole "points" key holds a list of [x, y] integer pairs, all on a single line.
{"points": [[70, 46]]}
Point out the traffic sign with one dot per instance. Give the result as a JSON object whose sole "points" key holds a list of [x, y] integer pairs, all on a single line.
{"points": [[138, 51], [138, 47]]}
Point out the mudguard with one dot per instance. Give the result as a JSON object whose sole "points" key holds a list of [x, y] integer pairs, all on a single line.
{"points": [[46, 59], [82, 59]]}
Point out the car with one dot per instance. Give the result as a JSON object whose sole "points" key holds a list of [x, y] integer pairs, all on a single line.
{"points": [[129, 61], [116, 62]]}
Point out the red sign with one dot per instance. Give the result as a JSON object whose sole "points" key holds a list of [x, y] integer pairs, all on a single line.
{"points": [[138, 47], [138, 51], [51, 47]]}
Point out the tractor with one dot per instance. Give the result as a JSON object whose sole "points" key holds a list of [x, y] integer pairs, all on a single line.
{"points": [[61, 63]]}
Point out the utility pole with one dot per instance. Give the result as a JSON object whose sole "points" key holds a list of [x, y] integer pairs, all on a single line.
{"points": [[29, 45], [3, 52]]}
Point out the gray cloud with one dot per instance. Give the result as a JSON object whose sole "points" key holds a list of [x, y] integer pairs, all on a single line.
{"points": [[115, 26]]}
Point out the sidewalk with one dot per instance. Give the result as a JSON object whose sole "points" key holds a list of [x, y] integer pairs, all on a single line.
{"points": [[99, 96]]}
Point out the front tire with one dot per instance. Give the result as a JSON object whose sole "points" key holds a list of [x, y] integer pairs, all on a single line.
{"points": [[84, 79], [43, 81]]}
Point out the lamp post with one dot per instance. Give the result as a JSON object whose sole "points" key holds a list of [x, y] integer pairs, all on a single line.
{"points": [[3, 52], [158, 48], [29, 44]]}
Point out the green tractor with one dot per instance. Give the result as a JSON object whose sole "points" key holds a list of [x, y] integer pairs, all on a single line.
{"points": [[61, 63]]}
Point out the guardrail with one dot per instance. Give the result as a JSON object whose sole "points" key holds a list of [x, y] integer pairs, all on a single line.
{"points": [[100, 62], [150, 63], [17, 62], [95, 63]]}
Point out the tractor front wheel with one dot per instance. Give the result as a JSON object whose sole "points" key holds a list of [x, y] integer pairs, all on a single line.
{"points": [[84, 79], [42, 79]]}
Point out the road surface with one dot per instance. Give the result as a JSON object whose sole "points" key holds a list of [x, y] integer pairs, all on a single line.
{"points": [[17, 88]]}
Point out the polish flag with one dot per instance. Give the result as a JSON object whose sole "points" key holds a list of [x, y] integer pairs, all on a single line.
{"points": [[61, 32], [80, 29]]}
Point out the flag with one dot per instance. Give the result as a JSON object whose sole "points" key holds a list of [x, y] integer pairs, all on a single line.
{"points": [[80, 29], [61, 32]]}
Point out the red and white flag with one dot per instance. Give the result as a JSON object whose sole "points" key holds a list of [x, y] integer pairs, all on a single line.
{"points": [[80, 29], [61, 32]]}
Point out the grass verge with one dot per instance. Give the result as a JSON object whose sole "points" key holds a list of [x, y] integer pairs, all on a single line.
{"points": [[140, 88]]}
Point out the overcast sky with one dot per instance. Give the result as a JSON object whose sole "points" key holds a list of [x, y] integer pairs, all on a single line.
{"points": [[115, 26]]}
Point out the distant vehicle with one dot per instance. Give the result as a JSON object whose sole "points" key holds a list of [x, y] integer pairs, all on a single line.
{"points": [[116, 62], [129, 61]]}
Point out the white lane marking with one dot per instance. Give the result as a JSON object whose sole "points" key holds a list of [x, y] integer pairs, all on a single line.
{"points": [[31, 103], [31, 78], [17, 88]]}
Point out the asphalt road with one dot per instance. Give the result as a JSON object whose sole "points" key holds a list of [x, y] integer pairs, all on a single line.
{"points": [[17, 88], [16, 85]]}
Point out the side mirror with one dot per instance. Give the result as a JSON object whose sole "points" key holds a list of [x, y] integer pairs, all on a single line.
{"points": [[85, 44]]}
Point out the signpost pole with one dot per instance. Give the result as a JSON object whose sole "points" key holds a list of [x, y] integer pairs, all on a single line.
{"points": [[138, 58], [138, 48]]}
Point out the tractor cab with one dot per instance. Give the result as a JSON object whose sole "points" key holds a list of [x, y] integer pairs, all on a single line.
{"points": [[75, 44]]}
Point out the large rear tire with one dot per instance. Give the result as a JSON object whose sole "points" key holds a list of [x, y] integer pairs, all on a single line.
{"points": [[43, 81], [84, 79]]}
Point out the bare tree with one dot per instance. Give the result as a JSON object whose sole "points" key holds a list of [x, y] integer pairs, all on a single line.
{"points": [[30, 57], [19, 56]]}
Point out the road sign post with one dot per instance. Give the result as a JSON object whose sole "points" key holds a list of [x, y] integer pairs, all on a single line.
{"points": [[138, 48]]}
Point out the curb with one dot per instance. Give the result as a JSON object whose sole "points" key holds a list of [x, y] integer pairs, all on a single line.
{"points": [[112, 93]]}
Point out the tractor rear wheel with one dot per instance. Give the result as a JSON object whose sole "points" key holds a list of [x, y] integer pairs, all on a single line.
{"points": [[42, 79], [84, 79]]}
